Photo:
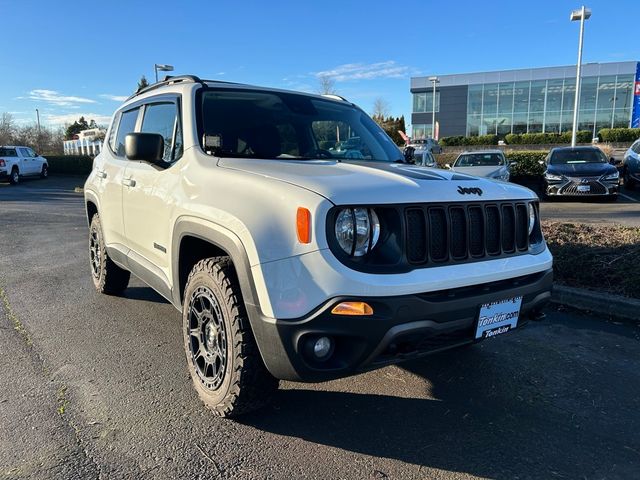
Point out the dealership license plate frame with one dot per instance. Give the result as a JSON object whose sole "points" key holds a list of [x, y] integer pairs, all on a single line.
{"points": [[486, 327]]}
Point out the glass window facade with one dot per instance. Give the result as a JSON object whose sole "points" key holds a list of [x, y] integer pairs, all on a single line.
{"points": [[423, 102], [541, 105]]}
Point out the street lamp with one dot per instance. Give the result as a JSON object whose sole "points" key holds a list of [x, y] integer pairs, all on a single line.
{"points": [[162, 68], [434, 80], [582, 14], [39, 133]]}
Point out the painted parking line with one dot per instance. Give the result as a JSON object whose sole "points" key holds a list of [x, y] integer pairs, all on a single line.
{"points": [[628, 197]]}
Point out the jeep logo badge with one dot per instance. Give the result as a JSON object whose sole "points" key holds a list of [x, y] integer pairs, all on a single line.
{"points": [[470, 191]]}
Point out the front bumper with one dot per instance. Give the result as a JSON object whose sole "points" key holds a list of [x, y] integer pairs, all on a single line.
{"points": [[571, 187], [402, 327]]}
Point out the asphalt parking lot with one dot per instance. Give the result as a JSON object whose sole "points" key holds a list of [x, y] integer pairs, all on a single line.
{"points": [[96, 387], [626, 210]]}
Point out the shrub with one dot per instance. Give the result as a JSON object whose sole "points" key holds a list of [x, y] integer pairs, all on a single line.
{"points": [[583, 136], [619, 134], [595, 256], [69, 164], [443, 158], [461, 140], [527, 163]]}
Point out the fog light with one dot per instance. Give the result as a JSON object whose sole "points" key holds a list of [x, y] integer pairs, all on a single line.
{"points": [[322, 348]]}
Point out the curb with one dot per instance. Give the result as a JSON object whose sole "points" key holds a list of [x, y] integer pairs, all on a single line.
{"points": [[598, 302]]}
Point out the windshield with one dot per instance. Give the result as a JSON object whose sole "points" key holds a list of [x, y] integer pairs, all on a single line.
{"points": [[480, 160], [561, 157], [270, 125]]}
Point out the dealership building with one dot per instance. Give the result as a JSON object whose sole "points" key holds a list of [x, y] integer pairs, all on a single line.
{"points": [[527, 100]]}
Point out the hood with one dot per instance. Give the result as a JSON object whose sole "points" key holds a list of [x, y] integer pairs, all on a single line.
{"points": [[346, 183], [489, 171], [581, 169]]}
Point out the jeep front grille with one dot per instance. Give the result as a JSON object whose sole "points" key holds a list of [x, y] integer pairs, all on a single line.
{"points": [[439, 234]]}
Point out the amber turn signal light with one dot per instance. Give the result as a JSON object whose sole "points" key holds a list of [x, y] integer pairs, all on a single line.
{"points": [[352, 308], [303, 225]]}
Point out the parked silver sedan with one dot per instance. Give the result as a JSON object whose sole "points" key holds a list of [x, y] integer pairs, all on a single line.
{"points": [[483, 163]]}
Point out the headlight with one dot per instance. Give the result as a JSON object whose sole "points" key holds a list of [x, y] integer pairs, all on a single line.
{"points": [[357, 230], [611, 176], [551, 176], [532, 217]]}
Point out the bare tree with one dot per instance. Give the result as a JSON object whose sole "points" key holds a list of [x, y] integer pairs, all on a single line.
{"points": [[381, 108], [7, 128], [327, 85]]}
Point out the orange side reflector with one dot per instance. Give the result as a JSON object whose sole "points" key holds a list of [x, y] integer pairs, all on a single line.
{"points": [[303, 225], [352, 308]]}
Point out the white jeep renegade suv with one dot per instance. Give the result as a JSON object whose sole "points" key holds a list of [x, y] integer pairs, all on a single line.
{"points": [[290, 261]]}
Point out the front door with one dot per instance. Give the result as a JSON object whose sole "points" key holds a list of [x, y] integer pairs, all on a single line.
{"points": [[147, 188]]}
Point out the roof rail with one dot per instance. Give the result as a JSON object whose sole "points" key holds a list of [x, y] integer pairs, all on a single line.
{"points": [[168, 80], [334, 96]]}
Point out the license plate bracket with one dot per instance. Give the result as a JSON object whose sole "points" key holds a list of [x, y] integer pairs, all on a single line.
{"points": [[498, 317]]}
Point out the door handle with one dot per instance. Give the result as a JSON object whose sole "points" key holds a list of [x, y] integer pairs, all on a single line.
{"points": [[101, 174], [129, 182]]}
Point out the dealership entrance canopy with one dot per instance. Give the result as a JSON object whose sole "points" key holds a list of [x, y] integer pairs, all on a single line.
{"points": [[528, 100]]}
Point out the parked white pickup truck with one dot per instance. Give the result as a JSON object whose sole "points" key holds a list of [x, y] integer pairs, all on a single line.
{"points": [[16, 162]]}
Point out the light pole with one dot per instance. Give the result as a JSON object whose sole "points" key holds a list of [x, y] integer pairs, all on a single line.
{"points": [[39, 134], [160, 67], [434, 80], [582, 14]]}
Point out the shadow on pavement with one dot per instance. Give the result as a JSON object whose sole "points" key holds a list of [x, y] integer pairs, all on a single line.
{"points": [[486, 417]]}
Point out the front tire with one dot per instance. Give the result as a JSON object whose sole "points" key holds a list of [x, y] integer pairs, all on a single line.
{"points": [[629, 183], [14, 178], [108, 278], [45, 171], [222, 355]]}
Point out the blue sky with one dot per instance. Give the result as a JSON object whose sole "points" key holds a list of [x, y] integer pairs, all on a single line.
{"points": [[81, 58]]}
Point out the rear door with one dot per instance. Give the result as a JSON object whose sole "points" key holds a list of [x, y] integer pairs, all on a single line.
{"points": [[26, 161]]}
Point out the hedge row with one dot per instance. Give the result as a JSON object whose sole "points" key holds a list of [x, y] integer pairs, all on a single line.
{"points": [[582, 136], [460, 140], [619, 134], [69, 164], [527, 162]]}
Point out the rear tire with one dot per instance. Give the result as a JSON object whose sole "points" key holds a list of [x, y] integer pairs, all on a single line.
{"points": [[222, 355], [45, 172], [108, 278], [14, 177]]}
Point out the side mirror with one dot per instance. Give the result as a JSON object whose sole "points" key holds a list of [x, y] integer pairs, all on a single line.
{"points": [[148, 147], [447, 166], [513, 164], [408, 153], [614, 161], [541, 162]]}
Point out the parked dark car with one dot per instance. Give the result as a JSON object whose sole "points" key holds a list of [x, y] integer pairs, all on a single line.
{"points": [[580, 172], [631, 166]]}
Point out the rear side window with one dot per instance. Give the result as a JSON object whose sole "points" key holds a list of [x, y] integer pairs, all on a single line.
{"points": [[636, 147], [162, 118], [127, 125], [8, 152]]}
